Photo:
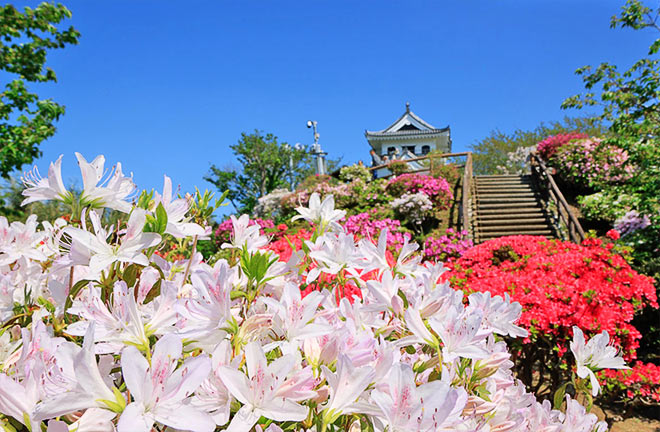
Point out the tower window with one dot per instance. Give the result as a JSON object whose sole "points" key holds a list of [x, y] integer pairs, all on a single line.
{"points": [[426, 149]]}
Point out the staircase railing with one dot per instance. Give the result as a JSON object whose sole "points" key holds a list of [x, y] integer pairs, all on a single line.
{"points": [[542, 177], [464, 211]]}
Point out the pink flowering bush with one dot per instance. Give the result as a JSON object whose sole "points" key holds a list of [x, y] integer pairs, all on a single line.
{"points": [[450, 245], [100, 333], [592, 163], [363, 225], [549, 146], [437, 189]]}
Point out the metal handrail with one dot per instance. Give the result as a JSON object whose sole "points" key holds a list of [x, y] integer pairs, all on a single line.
{"points": [[540, 173]]}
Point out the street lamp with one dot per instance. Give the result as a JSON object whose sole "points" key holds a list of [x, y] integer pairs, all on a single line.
{"points": [[316, 149], [296, 147]]}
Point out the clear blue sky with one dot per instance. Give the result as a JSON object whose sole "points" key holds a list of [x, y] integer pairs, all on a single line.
{"points": [[166, 87]]}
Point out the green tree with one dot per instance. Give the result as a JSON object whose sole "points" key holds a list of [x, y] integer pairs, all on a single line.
{"points": [[25, 119], [630, 103], [265, 165], [492, 151]]}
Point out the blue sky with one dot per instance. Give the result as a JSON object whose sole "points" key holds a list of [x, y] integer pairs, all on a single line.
{"points": [[165, 87]]}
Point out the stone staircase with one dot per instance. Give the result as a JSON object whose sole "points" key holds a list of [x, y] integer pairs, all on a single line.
{"points": [[504, 205]]}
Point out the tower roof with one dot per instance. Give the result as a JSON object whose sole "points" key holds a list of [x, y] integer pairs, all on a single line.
{"points": [[408, 125]]}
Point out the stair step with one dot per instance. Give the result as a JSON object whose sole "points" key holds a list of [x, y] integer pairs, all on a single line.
{"points": [[513, 220], [515, 227], [489, 237], [495, 234], [489, 188], [529, 195], [508, 205], [501, 176]]}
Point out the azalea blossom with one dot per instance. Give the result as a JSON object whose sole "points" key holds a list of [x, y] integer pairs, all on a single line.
{"points": [[111, 192], [323, 214], [89, 390], [346, 386], [50, 188], [176, 209], [129, 250], [263, 392], [594, 355], [406, 406], [245, 235], [161, 391]]}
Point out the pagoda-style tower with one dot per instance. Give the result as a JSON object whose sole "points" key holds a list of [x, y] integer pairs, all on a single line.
{"points": [[408, 137]]}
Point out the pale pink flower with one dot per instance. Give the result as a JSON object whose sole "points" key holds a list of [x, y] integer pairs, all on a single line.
{"points": [[264, 391], [161, 391], [594, 355]]}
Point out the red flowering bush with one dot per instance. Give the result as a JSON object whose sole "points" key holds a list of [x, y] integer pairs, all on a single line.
{"points": [[641, 383], [559, 285]]}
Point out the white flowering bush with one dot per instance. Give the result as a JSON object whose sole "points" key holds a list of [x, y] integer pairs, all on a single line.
{"points": [[517, 162], [269, 204], [415, 207], [99, 333]]}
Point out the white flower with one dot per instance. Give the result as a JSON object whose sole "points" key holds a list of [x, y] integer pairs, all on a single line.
{"points": [[500, 314], [24, 241], [245, 235], [264, 392], [129, 250], [176, 209], [323, 214], [594, 355], [346, 386], [52, 188], [98, 193], [161, 391], [405, 406], [89, 389]]}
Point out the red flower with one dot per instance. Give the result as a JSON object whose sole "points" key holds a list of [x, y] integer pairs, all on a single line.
{"points": [[613, 234]]}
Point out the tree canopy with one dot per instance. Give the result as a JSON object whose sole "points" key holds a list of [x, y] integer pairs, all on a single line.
{"points": [[26, 120], [492, 151], [265, 165], [630, 103]]}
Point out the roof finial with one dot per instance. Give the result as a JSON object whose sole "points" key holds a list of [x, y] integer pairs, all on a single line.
{"points": [[407, 107]]}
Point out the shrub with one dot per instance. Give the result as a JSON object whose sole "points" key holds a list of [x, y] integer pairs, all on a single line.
{"points": [[437, 189], [342, 336], [592, 163], [398, 167], [449, 172], [549, 146], [450, 245], [608, 205], [364, 225], [355, 172], [559, 285], [413, 207], [641, 383]]}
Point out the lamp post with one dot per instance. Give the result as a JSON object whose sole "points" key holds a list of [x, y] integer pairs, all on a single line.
{"points": [[296, 147], [316, 149]]}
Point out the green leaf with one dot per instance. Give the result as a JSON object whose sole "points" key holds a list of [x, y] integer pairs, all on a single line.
{"points": [[153, 292], [130, 274], [75, 289], [161, 219], [559, 396]]}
